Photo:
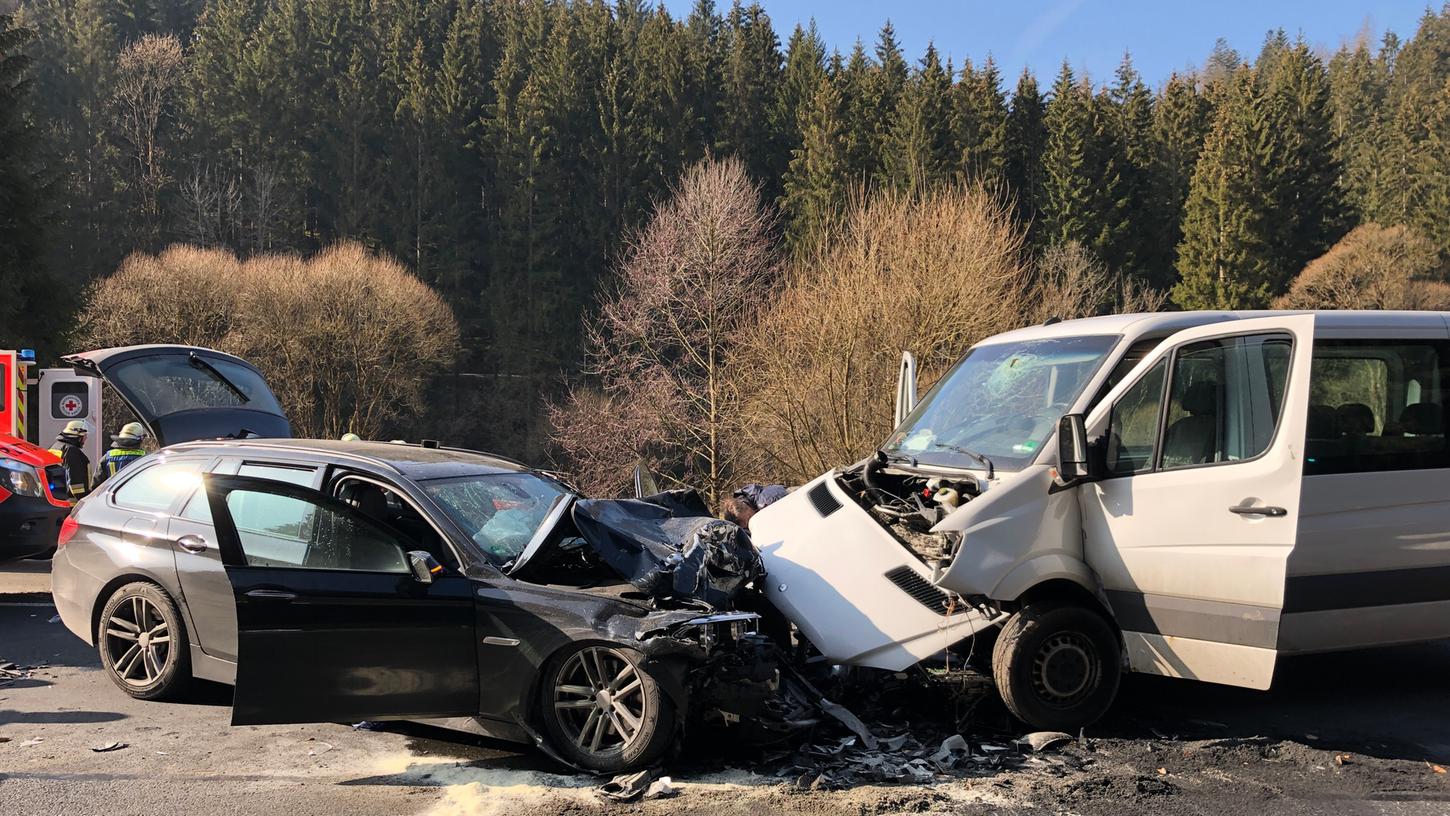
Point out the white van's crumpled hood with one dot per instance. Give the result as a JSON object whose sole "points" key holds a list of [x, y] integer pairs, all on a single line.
{"points": [[849, 586]]}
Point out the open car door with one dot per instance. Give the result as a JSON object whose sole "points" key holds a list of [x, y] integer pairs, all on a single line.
{"points": [[184, 393], [1194, 510], [334, 623]]}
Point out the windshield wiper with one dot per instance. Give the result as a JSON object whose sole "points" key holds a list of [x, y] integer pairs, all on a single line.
{"points": [[896, 458], [197, 362], [981, 459]]}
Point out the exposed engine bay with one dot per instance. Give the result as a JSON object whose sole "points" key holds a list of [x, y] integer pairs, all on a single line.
{"points": [[909, 505]]}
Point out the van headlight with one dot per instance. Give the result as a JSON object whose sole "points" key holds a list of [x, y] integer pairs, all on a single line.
{"points": [[20, 478]]}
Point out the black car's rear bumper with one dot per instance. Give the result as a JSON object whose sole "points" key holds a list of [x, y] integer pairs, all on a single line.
{"points": [[28, 526]]}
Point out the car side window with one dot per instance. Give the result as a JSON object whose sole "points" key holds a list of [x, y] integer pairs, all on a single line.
{"points": [[278, 530], [197, 509], [1377, 405], [157, 487], [1133, 427]]}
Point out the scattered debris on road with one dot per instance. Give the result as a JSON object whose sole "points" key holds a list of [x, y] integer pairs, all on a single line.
{"points": [[107, 747]]}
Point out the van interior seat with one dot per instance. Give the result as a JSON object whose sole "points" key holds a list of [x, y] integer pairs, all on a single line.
{"points": [[1193, 439], [1355, 419], [1422, 419], [1323, 422]]}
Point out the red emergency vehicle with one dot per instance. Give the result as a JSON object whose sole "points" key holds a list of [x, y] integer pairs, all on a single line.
{"points": [[33, 488]]}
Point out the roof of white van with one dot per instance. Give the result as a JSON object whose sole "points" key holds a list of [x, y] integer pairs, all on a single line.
{"points": [[1173, 321]]}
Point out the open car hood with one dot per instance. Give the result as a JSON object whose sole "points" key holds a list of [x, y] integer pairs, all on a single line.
{"points": [[184, 393], [669, 546]]}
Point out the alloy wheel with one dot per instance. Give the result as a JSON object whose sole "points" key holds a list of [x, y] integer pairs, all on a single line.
{"points": [[600, 701], [138, 641]]}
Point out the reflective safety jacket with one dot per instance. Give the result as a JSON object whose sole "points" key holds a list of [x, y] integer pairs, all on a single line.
{"points": [[115, 459], [77, 466]]}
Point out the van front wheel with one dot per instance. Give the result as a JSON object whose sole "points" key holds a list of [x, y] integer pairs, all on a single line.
{"points": [[1056, 665]]}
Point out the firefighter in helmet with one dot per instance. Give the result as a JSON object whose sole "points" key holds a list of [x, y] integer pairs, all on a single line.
{"points": [[70, 446], [125, 449]]}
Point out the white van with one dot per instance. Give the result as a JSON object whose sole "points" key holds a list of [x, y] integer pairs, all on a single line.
{"points": [[1186, 494]]}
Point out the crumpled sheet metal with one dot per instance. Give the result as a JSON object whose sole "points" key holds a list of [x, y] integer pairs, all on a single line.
{"points": [[669, 546]]}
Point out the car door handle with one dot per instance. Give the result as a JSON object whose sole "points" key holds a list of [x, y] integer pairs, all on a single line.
{"points": [[1271, 512], [192, 543], [271, 594]]}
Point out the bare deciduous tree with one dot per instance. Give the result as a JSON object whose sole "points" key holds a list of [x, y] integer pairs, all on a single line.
{"points": [[932, 274], [661, 349], [211, 203], [346, 338], [1373, 267], [148, 72]]}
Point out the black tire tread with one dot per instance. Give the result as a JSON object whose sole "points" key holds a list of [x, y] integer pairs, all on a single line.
{"points": [[1014, 686]]}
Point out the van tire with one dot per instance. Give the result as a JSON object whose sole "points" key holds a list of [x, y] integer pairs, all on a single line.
{"points": [[1057, 665]]}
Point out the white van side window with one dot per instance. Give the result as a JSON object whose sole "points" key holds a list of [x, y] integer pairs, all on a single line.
{"points": [[1221, 404], [1377, 405], [1133, 429]]}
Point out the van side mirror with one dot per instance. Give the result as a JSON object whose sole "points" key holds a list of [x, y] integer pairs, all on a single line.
{"points": [[1072, 448], [905, 387], [423, 566]]}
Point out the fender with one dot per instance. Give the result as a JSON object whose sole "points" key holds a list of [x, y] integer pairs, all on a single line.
{"points": [[1051, 567]]}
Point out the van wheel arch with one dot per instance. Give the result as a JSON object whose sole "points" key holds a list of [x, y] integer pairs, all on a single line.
{"points": [[1064, 590]]}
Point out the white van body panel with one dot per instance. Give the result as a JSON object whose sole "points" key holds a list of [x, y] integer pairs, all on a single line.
{"points": [[828, 573], [1016, 535], [1204, 586]]}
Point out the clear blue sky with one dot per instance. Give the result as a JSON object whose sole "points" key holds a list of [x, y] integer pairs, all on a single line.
{"points": [[1163, 36]]}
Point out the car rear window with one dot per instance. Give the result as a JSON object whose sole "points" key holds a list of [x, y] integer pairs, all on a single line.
{"points": [[157, 487]]}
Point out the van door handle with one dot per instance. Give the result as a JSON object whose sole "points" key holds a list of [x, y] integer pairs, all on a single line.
{"points": [[192, 543], [271, 594], [1271, 512]]}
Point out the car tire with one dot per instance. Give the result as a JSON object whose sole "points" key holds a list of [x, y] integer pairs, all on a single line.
{"points": [[143, 644], [1056, 665], [602, 710]]}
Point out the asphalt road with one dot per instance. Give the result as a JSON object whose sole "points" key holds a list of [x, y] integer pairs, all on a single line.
{"points": [[1352, 733]]}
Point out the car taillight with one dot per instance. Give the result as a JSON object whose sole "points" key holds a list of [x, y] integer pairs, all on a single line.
{"points": [[68, 529]]}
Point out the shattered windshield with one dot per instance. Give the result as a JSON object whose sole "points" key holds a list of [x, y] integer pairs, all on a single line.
{"points": [[168, 383], [501, 512], [1001, 401]]}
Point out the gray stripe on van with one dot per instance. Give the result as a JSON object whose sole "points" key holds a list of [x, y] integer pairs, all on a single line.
{"points": [[1216, 621]]}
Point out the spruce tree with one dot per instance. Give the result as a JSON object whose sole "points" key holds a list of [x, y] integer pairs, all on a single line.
{"points": [[1226, 259], [24, 306], [855, 82], [1358, 83], [918, 151], [805, 67], [979, 115], [1181, 120], [883, 95], [1068, 185], [819, 176], [1307, 215], [1139, 250], [749, 127], [1026, 143]]}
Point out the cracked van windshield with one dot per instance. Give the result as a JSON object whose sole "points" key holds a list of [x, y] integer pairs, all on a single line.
{"points": [[1001, 401]]}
